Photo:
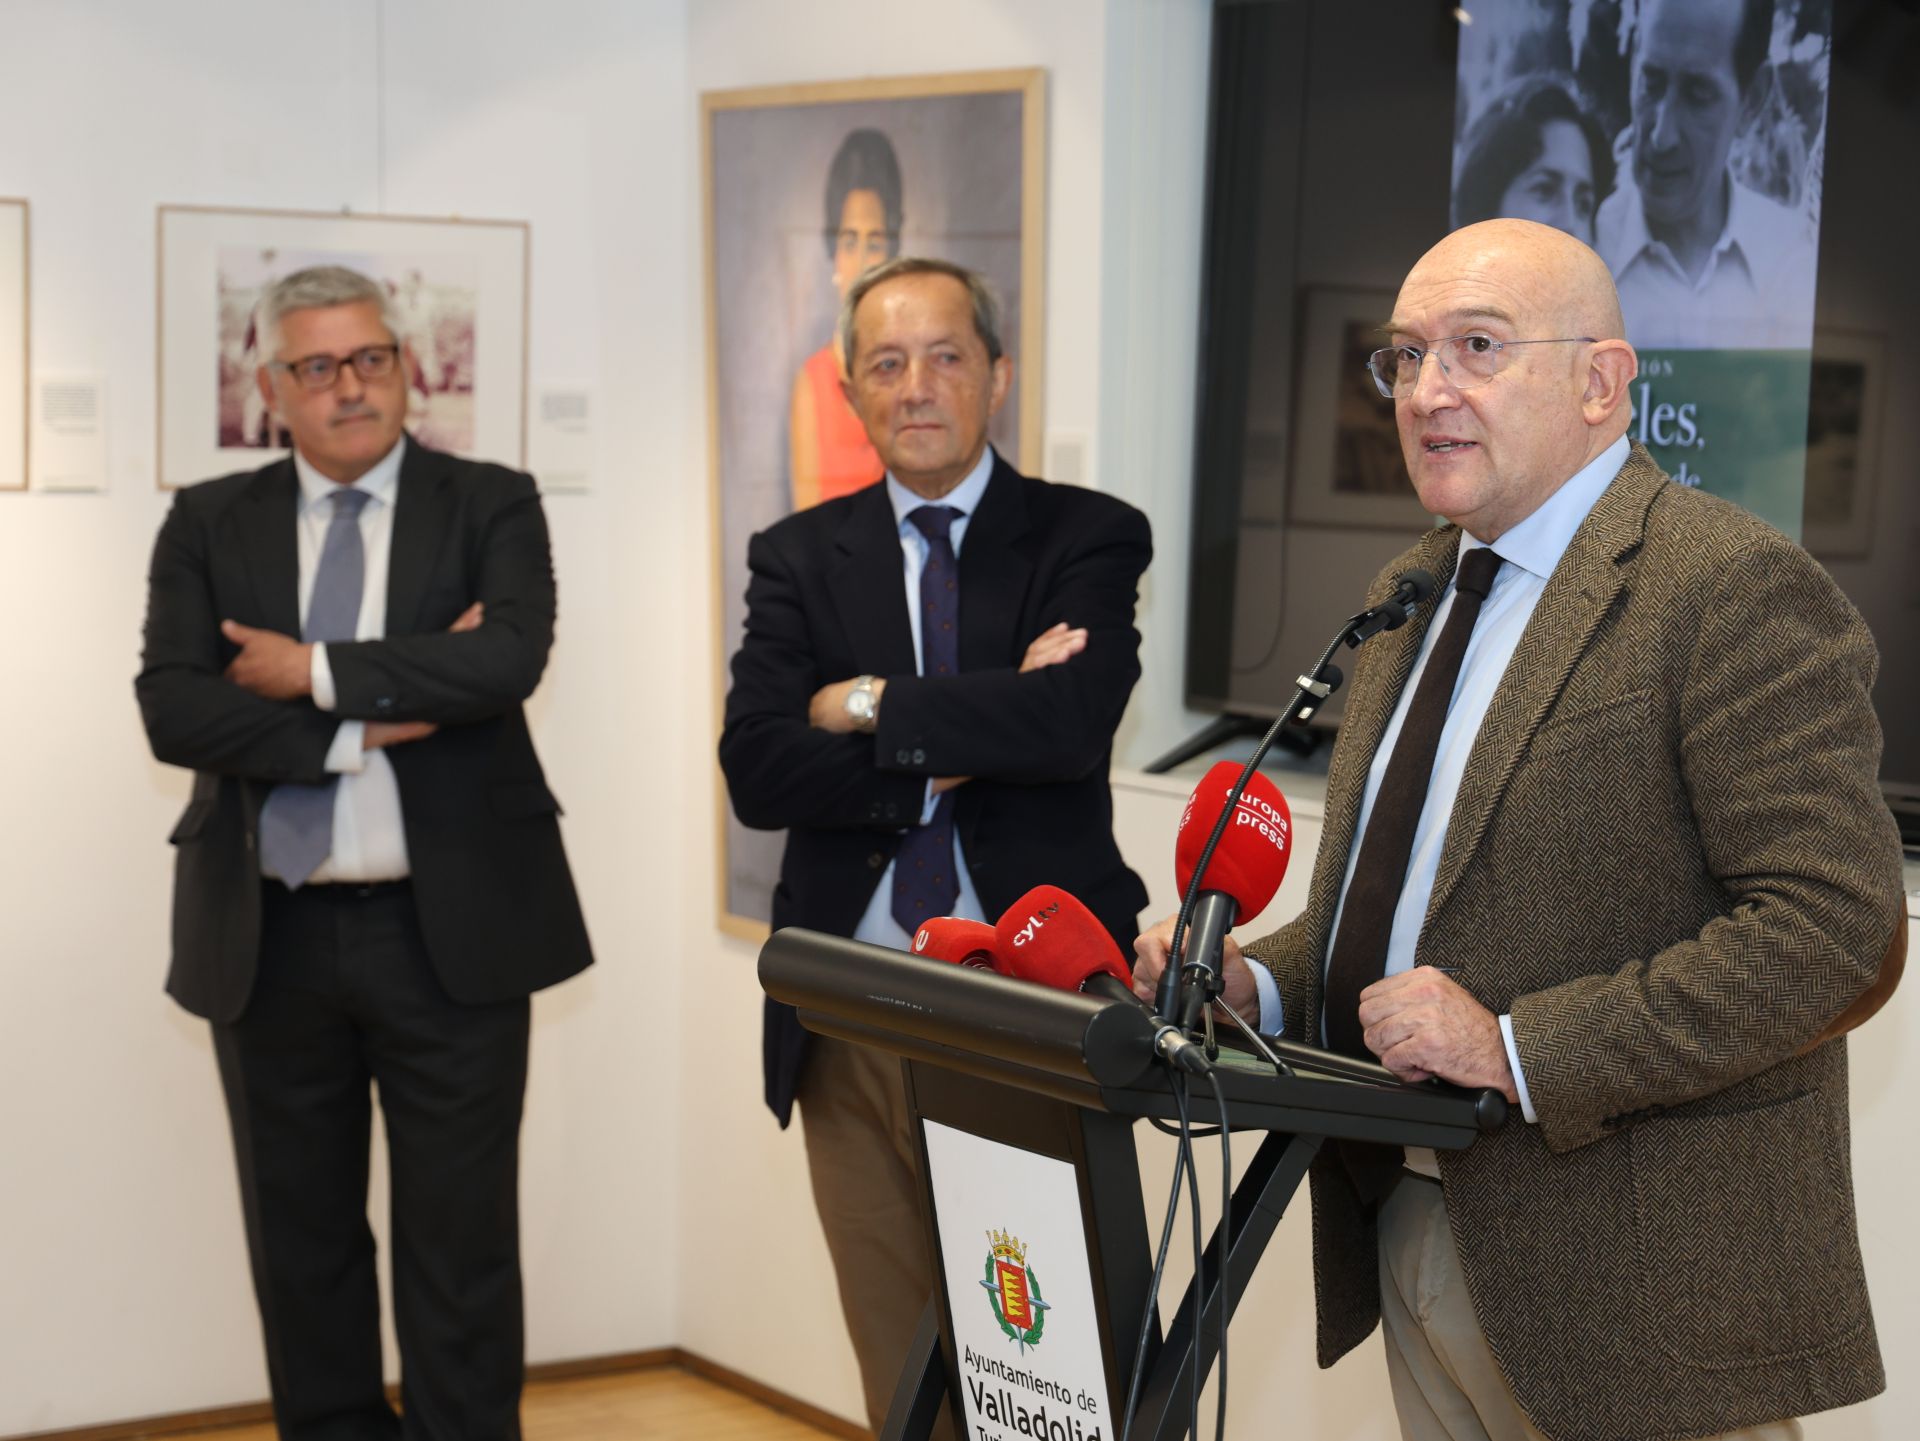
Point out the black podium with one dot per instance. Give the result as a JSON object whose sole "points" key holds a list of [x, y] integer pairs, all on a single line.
{"points": [[1042, 1088]]}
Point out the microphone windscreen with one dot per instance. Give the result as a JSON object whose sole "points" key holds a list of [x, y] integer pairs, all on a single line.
{"points": [[1420, 582], [1251, 859], [1049, 937], [964, 943]]}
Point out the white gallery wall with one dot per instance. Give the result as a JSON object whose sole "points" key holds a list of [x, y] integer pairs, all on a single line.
{"points": [[661, 1205], [125, 1288]]}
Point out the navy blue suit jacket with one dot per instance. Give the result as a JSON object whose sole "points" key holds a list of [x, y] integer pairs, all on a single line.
{"points": [[825, 602]]}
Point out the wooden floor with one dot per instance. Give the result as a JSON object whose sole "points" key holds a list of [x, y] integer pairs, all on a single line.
{"points": [[662, 1402]]}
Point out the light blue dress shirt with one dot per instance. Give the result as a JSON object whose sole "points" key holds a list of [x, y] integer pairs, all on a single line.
{"points": [[878, 927], [1531, 550]]}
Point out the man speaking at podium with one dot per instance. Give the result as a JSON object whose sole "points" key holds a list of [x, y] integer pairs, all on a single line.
{"points": [[925, 698], [1602, 832]]}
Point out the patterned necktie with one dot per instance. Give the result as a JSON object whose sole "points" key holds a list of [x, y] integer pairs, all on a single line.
{"points": [[1366, 922], [296, 823], [925, 878]]}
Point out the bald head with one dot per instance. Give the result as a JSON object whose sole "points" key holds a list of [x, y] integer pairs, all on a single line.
{"points": [[1563, 281], [1487, 444]]}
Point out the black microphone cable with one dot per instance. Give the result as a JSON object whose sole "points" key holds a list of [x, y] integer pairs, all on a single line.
{"points": [[1199, 1280], [1226, 1237], [1183, 1154]]}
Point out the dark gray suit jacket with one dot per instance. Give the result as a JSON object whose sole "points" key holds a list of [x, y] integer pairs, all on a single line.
{"points": [[490, 879], [825, 602]]}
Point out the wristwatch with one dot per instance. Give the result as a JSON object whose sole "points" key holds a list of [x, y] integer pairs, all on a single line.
{"points": [[863, 706]]}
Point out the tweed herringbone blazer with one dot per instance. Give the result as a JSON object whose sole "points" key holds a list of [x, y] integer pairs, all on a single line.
{"points": [[1670, 862]]}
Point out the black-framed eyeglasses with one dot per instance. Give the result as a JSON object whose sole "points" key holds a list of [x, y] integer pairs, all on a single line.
{"points": [[1466, 361], [322, 372]]}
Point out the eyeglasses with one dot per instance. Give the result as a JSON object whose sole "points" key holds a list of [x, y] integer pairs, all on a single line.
{"points": [[1466, 361], [322, 372]]}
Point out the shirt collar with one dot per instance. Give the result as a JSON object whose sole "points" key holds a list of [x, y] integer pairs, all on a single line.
{"points": [[381, 483], [1537, 543], [964, 497], [1744, 228]]}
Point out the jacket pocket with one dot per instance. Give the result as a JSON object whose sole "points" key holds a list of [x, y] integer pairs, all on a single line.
{"points": [[1748, 1252], [523, 800], [1591, 726], [192, 821]]}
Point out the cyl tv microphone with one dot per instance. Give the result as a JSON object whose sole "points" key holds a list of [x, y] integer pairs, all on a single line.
{"points": [[1050, 937]]}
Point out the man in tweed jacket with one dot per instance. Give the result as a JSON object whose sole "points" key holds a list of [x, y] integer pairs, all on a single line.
{"points": [[1658, 875]]}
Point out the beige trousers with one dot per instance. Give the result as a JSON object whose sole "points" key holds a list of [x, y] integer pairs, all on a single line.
{"points": [[860, 1154], [1446, 1385]]}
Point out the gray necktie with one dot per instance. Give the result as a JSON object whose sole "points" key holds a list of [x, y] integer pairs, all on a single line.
{"points": [[296, 824]]}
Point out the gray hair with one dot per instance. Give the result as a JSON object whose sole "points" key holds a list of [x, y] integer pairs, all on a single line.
{"points": [[986, 308], [317, 288]]}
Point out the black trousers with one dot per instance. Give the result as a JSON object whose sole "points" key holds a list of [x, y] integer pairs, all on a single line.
{"points": [[346, 1002]]}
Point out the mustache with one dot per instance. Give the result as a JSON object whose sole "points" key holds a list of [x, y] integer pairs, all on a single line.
{"points": [[354, 410]]}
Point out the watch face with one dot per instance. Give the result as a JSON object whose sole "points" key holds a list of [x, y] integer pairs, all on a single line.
{"points": [[860, 703]]}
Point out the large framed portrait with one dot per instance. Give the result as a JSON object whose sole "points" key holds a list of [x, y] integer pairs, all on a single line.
{"points": [[807, 186], [1348, 469], [13, 344], [458, 287]]}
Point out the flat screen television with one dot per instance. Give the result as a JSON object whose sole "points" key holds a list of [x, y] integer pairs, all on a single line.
{"points": [[1329, 173]]}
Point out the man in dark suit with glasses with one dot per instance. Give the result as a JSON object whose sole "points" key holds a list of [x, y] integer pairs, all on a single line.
{"points": [[369, 877]]}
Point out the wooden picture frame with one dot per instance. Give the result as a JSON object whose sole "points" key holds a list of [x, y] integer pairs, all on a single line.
{"points": [[962, 158], [459, 285]]}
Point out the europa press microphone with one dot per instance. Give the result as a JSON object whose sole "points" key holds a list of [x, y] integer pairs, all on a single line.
{"points": [[1050, 937], [1245, 869]]}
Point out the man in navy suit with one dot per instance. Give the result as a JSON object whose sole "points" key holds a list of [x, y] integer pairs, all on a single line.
{"points": [[925, 698], [369, 879]]}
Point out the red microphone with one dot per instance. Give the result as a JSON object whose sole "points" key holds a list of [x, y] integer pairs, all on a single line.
{"points": [[1049, 937], [1246, 869], [964, 943]]}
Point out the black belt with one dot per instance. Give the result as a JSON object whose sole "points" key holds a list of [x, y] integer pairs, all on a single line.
{"points": [[341, 892]]}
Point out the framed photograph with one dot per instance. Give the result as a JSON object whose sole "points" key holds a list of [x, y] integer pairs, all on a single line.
{"points": [[1843, 442], [459, 287], [13, 344], [807, 186], [1347, 466]]}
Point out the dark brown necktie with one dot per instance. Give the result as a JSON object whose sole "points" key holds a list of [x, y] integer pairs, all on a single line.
{"points": [[1366, 920]]}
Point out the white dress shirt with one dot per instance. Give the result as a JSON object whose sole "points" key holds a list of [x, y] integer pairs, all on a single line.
{"points": [[878, 927], [369, 838], [1531, 550], [1756, 292]]}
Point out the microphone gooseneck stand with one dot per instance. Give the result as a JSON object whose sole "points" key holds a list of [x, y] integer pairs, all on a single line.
{"points": [[1202, 974], [1200, 987]]}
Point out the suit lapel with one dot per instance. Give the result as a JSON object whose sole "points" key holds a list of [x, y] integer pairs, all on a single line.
{"points": [[270, 540], [424, 508], [864, 579], [1583, 588], [994, 574]]}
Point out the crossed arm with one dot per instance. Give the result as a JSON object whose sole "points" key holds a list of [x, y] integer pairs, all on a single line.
{"points": [[792, 758], [221, 696]]}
